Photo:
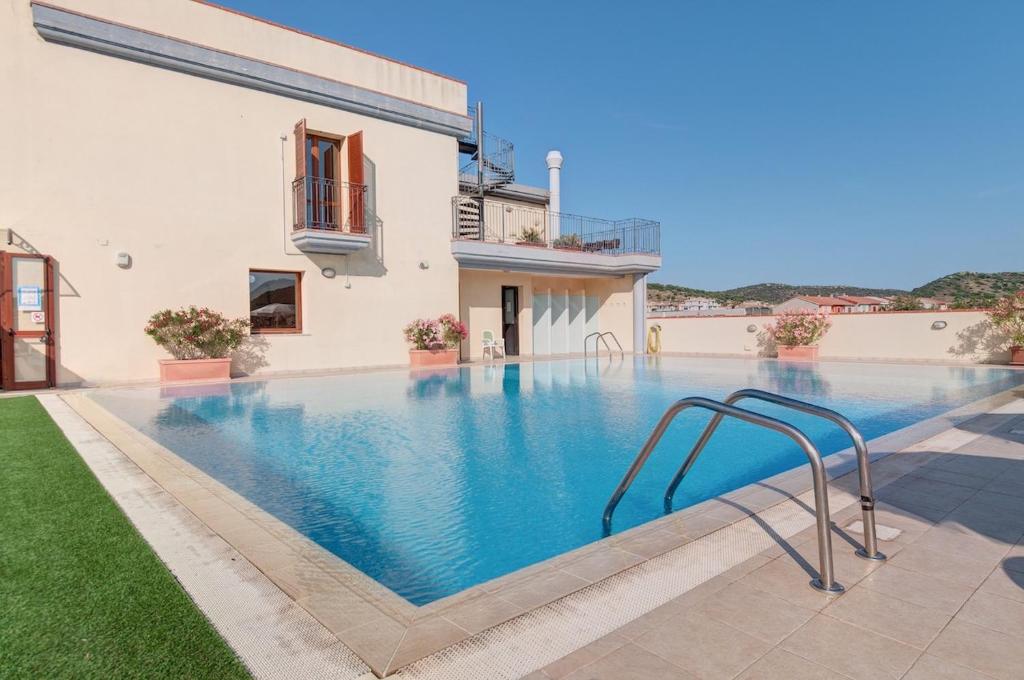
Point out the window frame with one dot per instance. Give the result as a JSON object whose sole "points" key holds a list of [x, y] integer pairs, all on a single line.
{"points": [[297, 330]]}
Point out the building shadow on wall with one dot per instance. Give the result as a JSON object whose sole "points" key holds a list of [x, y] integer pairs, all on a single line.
{"points": [[981, 341]]}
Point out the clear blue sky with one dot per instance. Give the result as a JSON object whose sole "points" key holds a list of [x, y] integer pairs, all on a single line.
{"points": [[862, 143]]}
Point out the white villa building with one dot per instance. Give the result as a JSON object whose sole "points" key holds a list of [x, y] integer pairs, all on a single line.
{"points": [[174, 153]]}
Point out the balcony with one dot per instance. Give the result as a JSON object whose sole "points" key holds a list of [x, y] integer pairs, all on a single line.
{"points": [[330, 216], [509, 237]]}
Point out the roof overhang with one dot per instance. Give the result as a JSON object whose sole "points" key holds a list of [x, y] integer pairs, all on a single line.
{"points": [[549, 261]]}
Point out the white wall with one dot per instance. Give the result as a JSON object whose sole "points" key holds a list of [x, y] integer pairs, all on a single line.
{"points": [[907, 336], [190, 177]]}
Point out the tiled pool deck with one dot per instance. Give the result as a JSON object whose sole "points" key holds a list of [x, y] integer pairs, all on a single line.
{"points": [[709, 592]]}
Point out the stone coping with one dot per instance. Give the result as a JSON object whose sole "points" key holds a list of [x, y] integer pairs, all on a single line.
{"points": [[388, 632]]}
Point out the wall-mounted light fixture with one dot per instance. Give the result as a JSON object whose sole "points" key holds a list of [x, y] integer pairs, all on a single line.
{"points": [[938, 325], [424, 264], [751, 328], [123, 260], [329, 272]]}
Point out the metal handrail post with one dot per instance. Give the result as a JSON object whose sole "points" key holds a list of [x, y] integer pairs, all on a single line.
{"points": [[826, 579], [617, 343], [867, 500], [598, 336]]}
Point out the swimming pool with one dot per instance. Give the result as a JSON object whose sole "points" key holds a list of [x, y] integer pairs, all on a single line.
{"points": [[433, 483]]}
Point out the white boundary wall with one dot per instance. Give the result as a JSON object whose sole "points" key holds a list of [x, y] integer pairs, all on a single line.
{"points": [[909, 336]]}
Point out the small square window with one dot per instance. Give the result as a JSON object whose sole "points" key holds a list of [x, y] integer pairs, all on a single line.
{"points": [[275, 301]]}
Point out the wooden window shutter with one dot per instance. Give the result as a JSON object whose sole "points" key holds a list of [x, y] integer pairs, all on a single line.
{"points": [[299, 187], [357, 183]]}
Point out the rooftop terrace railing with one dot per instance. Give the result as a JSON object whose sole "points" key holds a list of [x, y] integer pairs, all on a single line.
{"points": [[498, 222]]}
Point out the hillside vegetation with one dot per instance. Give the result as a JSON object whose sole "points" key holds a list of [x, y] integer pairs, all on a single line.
{"points": [[963, 289], [972, 289]]}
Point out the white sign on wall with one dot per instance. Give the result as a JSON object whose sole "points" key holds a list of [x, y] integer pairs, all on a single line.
{"points": [[30, 299]]}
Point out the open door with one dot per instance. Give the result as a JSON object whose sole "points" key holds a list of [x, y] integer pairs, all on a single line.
{"points": [[510, 319], [27, 344]]}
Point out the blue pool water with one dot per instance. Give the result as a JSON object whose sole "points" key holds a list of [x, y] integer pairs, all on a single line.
{"points": [[435, 483]]}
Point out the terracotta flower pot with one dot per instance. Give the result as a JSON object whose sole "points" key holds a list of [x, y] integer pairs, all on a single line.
{"points": [[433, 357], [798, 352], [1017, 356], [181, 370]]}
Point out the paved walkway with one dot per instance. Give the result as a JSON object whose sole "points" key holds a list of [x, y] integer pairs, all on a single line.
{"points": [[949, 602]]}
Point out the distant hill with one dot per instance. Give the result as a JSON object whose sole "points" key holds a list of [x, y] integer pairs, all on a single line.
{"points": [[773, 293], [964, 289], [972, 289]]}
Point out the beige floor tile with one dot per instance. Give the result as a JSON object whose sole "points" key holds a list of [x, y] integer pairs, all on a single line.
{"points": [[929, 667], [630, 663], [536, 591], [787, 580], [954, 538], [341, 611], [953, 567], [995, 612], [375, 641], [919, 589], [584, 655], [1005, 583], [705, 647], [850, 650], [602, 564], [755, 612], [781, 665], [652, 543], [886, 615], [425, 637], [481, 613], [990, 652]]}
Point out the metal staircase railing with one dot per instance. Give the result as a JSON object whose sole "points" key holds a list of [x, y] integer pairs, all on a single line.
{"points": [[826, 575], [499, 159]]}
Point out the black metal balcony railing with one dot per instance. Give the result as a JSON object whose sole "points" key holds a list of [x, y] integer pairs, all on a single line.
{"points": [[322, 203], [497, 222]]}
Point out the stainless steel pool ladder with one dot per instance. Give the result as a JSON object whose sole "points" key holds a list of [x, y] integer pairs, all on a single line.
{"points": [[867, 500], [600, 336], [826, 574]]}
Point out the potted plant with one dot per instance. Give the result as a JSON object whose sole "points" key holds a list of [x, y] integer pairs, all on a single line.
{"points": [[435, 341], [569, 242], [796, 334], [530, 236], [200, 340], [1007, 315]]}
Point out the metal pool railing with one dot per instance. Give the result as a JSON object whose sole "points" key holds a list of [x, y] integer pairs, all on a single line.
{"points": [[826, 574]]}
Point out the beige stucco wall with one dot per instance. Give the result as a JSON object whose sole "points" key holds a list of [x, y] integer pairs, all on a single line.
{"points": [[192, 179], [480, 305], [908, 336], [229, 31]]}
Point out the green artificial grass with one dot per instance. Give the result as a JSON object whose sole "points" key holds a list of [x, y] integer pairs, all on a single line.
{"points": [[81, 593]]}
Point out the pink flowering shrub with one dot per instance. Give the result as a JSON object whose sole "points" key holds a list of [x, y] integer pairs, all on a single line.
{"points": [[1008, 316], [424, 334], [194, 333], [445, 332], [453, 331], [795, 329]]}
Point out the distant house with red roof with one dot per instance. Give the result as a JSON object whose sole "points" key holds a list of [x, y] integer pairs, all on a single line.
{"points": [[816, 303], [866, 303]]}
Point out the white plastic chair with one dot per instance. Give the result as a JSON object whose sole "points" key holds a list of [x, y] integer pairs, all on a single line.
{"points": [[490, 344]]}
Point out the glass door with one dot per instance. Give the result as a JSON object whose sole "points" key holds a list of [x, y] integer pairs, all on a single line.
{"points": [[27, 358]]}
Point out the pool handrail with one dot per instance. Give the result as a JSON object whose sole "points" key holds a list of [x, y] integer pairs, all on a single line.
{"points": [[826, 576], [867, 500], [600, 336]]}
